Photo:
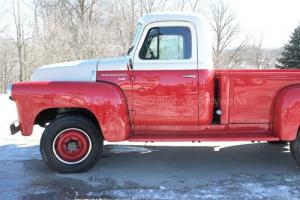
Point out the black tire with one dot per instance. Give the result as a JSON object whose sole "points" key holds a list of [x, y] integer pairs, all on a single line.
{"points": [[65, 123], [277, 142], [295, 149]]}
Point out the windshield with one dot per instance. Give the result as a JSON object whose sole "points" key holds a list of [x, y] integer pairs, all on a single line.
{"points": [[136, 37]]}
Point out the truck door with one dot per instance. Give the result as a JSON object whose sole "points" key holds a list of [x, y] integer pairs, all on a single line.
{"points": [[165, 79]]}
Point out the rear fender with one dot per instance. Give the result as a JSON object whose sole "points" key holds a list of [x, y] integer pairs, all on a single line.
{"points": [[287, 113], [105, 100]]}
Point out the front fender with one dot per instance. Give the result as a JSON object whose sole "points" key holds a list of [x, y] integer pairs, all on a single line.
{"points": [[287, 113], [106, 101]]}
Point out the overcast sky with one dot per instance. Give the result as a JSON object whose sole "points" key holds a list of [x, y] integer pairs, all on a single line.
{"points": [[275, 20]]}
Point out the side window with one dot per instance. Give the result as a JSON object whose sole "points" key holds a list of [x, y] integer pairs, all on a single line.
{"points": [[167, 43]]}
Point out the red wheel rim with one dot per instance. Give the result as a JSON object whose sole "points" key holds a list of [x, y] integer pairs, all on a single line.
{"points": [[72, 146]]}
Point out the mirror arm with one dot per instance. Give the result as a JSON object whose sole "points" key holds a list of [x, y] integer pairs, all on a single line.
{"points": [[130, 65]]}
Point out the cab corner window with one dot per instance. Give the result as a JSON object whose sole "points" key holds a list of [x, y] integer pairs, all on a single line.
{"points": [[167, 43]]}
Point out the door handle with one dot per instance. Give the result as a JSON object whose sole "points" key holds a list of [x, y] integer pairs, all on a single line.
{"points": [[189, 76]]}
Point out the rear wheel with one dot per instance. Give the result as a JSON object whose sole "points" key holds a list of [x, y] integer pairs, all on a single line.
{"points": [[71, 144], [295, 150], [277, 142]]}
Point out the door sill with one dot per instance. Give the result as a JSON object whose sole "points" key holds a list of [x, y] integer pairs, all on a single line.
{"points": [[254, 136]]}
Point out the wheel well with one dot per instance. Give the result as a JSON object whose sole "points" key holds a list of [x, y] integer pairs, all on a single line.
{"points": [[47, 116]]}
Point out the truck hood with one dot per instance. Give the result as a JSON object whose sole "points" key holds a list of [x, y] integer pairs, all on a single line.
{"points": [[82, 71], [113, 64]]}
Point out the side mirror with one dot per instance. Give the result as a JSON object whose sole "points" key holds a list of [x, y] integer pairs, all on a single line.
{"points": [[130, 65]]}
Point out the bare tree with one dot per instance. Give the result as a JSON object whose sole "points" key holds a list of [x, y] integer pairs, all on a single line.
{"points": [[226, 30], [258, 54], [77, 21], [7, 61], [236, 57], [150, 6], [194, 6], [20, 38], [80, 9]]}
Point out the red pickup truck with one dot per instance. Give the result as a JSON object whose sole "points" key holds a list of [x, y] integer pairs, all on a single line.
{"points": [[163, 89]]}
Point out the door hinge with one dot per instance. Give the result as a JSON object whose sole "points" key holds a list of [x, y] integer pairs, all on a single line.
{"points": [[133, 112]]}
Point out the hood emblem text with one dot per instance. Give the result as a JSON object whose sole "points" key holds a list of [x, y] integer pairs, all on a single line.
{"points": [[114, 74]]}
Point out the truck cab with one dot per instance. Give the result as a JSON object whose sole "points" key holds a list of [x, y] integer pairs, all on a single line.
{"points": [[163, 89], [170, 71]]}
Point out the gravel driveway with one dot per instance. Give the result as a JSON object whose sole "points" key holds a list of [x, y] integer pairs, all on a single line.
{"points": [[149, 171]]}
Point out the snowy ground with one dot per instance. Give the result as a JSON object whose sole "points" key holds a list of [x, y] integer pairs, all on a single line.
{"points": [[144, 171]]}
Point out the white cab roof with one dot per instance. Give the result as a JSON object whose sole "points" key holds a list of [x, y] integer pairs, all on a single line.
{"points": [[202, 28]]}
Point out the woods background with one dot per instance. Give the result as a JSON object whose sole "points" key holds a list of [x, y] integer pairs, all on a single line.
{"points": [[39, 32]]}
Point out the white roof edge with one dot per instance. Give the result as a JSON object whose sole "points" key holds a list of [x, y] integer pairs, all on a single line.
{"points": [[170, 16]]}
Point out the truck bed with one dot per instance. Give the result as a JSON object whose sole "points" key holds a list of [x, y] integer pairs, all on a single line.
{"points": [[248, 96]]}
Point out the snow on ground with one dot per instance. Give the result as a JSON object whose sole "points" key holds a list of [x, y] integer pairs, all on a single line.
{"points": [[148, 171], [8, 114]]}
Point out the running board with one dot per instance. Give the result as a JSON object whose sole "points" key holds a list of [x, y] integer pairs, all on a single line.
{"points": [[204, 137]]}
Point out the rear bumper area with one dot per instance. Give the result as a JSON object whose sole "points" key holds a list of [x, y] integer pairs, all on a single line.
{"points": [[14, 128]]}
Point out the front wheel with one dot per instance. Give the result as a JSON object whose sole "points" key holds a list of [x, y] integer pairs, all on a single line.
{"points": [[71, 144]]}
